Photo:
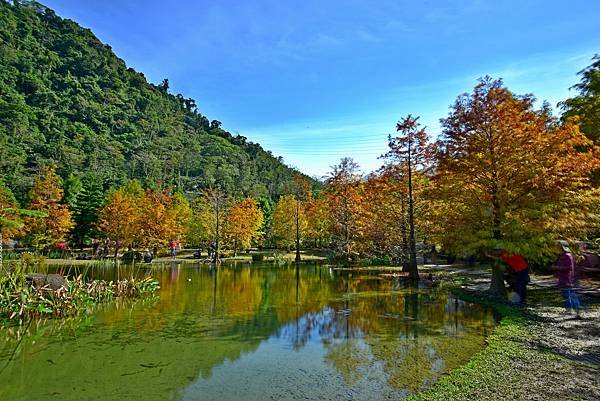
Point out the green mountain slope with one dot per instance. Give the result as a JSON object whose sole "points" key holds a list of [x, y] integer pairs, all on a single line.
{"points": [[66, 98]]}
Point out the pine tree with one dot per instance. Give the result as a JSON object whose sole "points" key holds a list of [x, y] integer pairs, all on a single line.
{"points": [[86, 205]]}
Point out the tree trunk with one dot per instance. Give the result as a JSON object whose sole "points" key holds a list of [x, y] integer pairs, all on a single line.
{"points": [[404, 245], [297, 231], [497, 286], [216, 256], [413, 272]]}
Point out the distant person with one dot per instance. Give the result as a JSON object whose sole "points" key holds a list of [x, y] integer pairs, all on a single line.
{"points": [[106, 248], [518, 269], [148, 256], [173, 248], [62, 248], [567, 278], [198, 253], [95, 247]]}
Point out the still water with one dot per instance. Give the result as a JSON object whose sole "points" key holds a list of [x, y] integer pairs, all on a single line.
{"points": [[247, 332]]}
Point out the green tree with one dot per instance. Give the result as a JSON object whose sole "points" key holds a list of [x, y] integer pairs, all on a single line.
{"points": [[67, 99], [586, 105], [585, 108], [72, 187], [86, 205]]}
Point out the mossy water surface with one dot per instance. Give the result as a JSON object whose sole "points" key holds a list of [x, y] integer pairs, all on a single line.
{"points": [[249, 332]]}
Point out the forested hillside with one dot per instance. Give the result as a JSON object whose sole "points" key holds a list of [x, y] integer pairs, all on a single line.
{"points": [[67, 99]]}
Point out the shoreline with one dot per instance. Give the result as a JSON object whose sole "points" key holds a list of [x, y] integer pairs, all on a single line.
{"points": [[536, 352]]}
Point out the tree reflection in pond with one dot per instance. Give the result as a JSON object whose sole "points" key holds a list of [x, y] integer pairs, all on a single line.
{"points": [[249, 332]]}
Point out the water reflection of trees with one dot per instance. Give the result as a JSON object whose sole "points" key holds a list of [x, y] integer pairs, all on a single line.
{"points": [[204, 316], [413, 335]]}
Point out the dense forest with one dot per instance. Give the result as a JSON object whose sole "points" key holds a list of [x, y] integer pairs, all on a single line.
{"points": [[67, 100]]}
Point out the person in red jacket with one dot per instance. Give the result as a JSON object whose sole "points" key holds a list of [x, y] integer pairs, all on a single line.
{"points": [[519, 268], [173, 247]]}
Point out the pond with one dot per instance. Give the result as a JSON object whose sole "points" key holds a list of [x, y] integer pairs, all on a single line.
{"points": [[247, 332]]}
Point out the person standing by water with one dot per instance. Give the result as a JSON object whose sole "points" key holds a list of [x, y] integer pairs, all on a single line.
{"points": [[520, 269], [211, 250], [567, 278], [148, 256], [173, 248]]}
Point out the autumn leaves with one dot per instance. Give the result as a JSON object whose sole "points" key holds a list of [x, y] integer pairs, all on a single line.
{"points": [[502, 173], [510, 175]]}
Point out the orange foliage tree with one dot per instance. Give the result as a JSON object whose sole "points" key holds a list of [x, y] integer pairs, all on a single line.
{"points": [[243, 224], [344, 204], [510, 176], [12, 217], [133, 217], [381, 218], [318, 220], [119, 218], [45, 197]]}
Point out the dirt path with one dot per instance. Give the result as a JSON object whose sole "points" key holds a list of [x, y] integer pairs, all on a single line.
{"points": [[560, 331]]}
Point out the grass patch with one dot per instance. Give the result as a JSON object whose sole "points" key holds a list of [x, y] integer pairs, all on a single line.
{"points": [[21, 299]]}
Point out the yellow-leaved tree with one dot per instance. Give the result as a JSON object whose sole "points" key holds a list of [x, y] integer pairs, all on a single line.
{"points": [[164, 218], [209, 211], [289, 221], [242, 224], [119, 218], [318, 219]]}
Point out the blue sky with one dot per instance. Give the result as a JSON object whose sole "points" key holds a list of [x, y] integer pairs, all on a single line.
{"points": [[314, 81]]}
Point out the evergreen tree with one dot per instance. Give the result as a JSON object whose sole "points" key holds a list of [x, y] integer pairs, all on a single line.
{"points": [[87, 203]]}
